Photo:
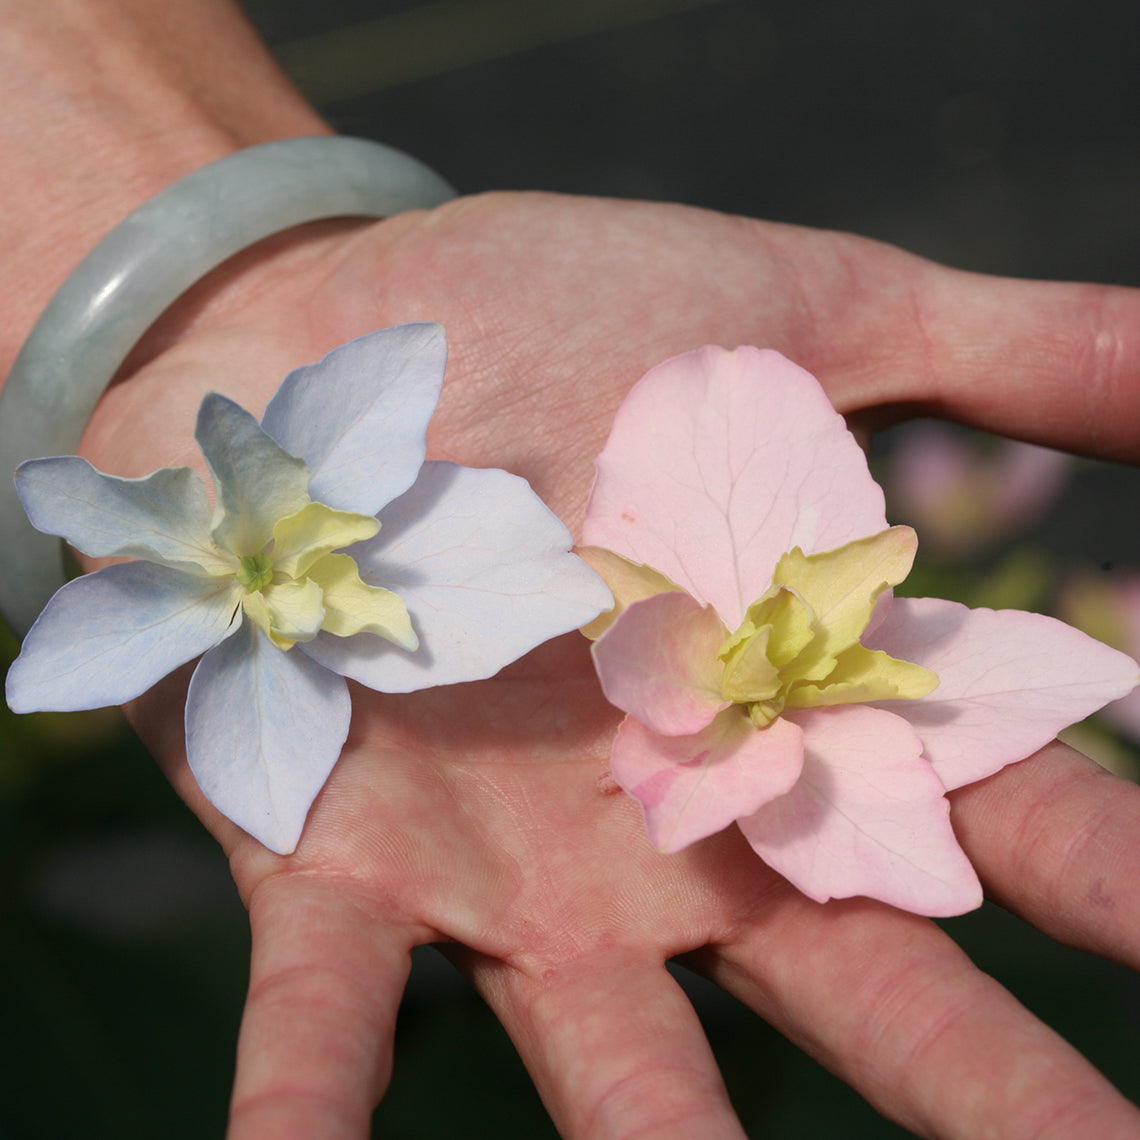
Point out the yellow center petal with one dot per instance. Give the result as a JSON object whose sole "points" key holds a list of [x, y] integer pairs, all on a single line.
{"points": [[842, 586], [297, 588], [353, 606], [798, 646], [864, 675], [315, 530]]}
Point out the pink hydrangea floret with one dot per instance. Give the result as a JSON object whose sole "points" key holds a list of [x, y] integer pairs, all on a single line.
{"points": [[770, 676]]}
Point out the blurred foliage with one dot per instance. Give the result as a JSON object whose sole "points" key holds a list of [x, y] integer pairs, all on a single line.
{"points": [[120, 1010]]}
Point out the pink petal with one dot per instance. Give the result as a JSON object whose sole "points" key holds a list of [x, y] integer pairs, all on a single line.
{"points": [[720, 462], [658, 662], [694, 786], [867, 817], [1009, 681]]}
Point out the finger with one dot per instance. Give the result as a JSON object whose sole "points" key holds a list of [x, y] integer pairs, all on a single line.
{"points": [[891, 1005], [315, 1049], [1074, 350], [1054, 363], [1054, 840], [614, 1050]]}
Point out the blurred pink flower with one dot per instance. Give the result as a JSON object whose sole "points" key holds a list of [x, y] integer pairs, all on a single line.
{"points": [[964, 495], [1107, 607]]}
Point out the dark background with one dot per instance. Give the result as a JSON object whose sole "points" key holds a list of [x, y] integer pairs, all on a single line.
{"points": [[1000, 137]]}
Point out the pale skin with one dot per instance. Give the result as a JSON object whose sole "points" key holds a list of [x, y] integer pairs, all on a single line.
{"points": [[480, 816]]}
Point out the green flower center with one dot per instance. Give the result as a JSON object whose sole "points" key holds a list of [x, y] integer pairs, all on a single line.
{"points": [[255, 572]]}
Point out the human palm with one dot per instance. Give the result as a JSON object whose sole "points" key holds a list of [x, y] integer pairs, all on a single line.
{"points": [[482, 815]]}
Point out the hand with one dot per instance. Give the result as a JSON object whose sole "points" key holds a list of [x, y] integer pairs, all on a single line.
{"points": [[481, 816]]}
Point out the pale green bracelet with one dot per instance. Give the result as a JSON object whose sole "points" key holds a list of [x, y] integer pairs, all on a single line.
{"points": [[136, 272]]}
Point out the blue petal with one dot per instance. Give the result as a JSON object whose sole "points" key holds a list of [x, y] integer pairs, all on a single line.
{"points": [[257, 482], [359, 418], [264, 728], [485, 571], [107, 637], [163, 518]]}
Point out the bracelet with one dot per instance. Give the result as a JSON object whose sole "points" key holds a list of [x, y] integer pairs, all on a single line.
{"points": [[151, 258]]}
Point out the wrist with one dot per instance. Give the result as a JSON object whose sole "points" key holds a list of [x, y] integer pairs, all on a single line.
{"points": [[117, 99]]}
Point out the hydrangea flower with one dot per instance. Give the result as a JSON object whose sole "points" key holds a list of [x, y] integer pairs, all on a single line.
{"points": [[769, 675], [334, 550]]}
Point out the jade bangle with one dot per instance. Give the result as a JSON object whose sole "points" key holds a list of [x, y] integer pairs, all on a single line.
{"points": [[144, 264]]}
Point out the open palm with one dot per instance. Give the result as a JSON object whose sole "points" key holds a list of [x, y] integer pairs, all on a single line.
{"points": [[482, 815]]}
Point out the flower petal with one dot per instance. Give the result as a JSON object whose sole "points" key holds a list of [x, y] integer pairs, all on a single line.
{"points": [[296, 609], [485, 571], [257, 483], [843, 586], [107, 637], [775, 633], [865, 676], [628, 581], [353, 606], [264, 728], [1009, 681], [314, 531], [867, 816], [164, 518], [719, 463], [691, 787], [658, 662], [359, 417]]}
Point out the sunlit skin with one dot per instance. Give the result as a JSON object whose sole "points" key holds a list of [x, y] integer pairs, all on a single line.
{"points": [[480, 816]]}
